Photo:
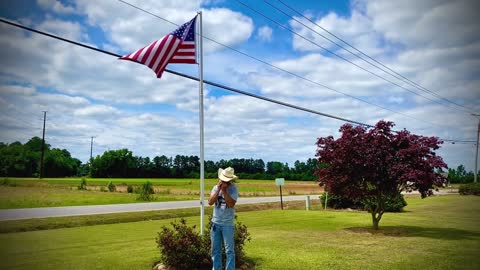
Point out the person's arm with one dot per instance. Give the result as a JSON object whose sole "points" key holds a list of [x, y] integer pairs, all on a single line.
{"points": [[228, 199], [214, 195]]}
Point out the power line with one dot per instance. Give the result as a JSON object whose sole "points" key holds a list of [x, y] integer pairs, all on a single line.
{"points": [[458, 141], [284, 70], [188, 76], [193, 78], [390, 71], [335, 54]]}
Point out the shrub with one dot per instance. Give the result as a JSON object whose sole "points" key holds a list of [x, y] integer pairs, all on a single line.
{"points": [[339, 202], [184, 248], [111, 187], [146, 192], [470, 189], [83, 184], [130, 189], [395, 204], [103, 189]]}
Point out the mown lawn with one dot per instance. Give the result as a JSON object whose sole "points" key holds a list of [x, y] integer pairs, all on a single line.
{"points": [[436, 233]]}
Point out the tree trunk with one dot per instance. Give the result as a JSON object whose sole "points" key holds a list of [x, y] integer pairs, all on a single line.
{"points": [[375, 222], [376, 219]]}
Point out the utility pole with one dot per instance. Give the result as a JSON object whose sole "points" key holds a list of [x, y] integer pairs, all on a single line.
{"points": [[91, 152], [43, 144], [91, 148], [476, 150]]}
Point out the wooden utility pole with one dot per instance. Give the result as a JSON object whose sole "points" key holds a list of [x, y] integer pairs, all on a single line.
{"points": [[476, 153], [91, 148], [43, 144]]}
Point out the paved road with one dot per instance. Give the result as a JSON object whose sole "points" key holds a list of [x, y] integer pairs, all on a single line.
{"points": [[26, 213]]}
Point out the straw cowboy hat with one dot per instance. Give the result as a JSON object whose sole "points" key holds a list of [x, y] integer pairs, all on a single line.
{"points": [[226, 175]]}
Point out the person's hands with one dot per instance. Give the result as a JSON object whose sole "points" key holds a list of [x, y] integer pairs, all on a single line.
{"points": [[224, 186], [220, 184]]}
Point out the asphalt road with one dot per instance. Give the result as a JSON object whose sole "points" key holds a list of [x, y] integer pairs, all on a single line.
{"points": [[26, 213]]}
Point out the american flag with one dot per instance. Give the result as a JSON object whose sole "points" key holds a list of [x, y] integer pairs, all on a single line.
{"points": [[176, 47]]}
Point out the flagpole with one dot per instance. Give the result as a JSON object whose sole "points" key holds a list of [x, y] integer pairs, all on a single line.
{"points": [[200, 97]]}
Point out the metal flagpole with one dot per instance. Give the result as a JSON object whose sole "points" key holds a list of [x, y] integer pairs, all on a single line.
{"points": [[200, 102]]}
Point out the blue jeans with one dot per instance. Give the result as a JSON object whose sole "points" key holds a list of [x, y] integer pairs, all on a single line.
{"points": [[217, 233]]}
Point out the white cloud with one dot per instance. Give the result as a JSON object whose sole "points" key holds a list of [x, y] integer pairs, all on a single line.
{"points": [[264, 33], [56, 6], [221, 24], [429, 23], [96, 111], [356, 29], [66, 29], [16, 90], [124, 105]]}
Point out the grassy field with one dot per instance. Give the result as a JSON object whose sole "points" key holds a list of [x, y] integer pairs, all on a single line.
{"points": [[28, 197], [436, 233], [29, 192]]}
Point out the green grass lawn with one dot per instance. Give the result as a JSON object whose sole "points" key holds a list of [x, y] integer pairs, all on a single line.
{"points": [[436, 233], [247, 185], [28, 197], [30, 192]]}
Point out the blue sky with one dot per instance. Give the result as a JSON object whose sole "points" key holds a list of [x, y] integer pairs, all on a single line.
{"points": [[433, 43]]}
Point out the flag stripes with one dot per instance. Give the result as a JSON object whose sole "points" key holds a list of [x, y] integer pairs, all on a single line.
{"points": [[176, 47]]}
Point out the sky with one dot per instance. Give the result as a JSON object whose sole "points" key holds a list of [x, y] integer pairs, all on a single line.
{"points": [[433, 43]]}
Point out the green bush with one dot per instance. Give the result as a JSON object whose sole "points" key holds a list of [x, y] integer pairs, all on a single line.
{"points": [[395, 204], [146, 192], [341, 202], [111, 187], [182, 247], [83, 184], [392, 204], [130, 189], [470, 189]]}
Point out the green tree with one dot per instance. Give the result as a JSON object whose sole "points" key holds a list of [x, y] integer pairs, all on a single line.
{"points": [[114, 164], [17, 161], [59, 163], [162, 166]]}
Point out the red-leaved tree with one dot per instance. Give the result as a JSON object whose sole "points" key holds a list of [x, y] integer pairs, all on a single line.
{"points": [[377, 164]]}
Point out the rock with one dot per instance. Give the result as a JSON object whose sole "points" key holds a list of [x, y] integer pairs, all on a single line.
{"points": [[159, 266]]}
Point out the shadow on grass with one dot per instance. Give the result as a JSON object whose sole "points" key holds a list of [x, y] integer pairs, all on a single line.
{"points": [[414, 231], [253, 262]]}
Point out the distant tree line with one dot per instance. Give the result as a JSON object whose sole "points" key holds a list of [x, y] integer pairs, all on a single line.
{"points": [[460, 175], [23, 160], [123, 164]]}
